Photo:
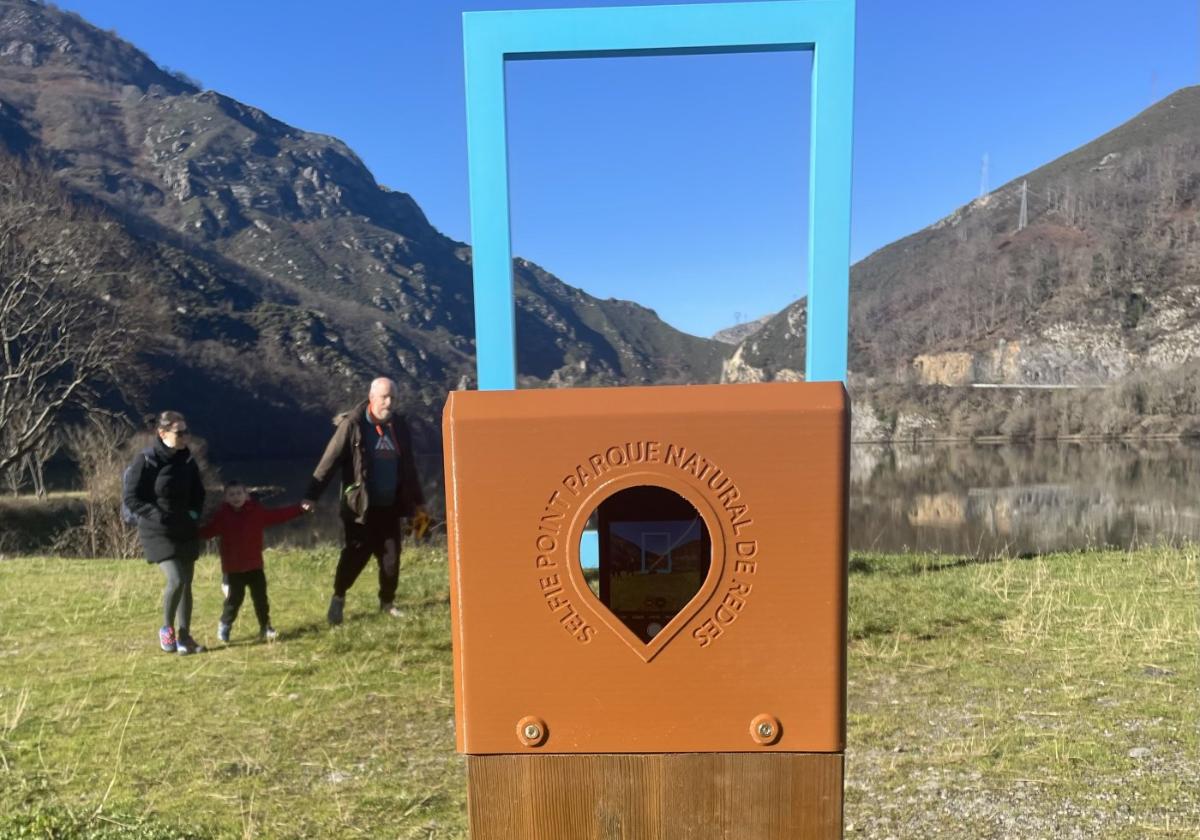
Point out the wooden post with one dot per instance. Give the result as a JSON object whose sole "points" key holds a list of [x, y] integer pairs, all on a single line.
{"points": [[678, 796]]}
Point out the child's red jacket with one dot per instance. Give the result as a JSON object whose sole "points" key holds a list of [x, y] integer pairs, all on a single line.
{"points": [[241, 532]]}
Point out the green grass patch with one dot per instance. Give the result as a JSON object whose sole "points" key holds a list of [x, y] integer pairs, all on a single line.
{"points": [[345, 732], [1055, 696]]}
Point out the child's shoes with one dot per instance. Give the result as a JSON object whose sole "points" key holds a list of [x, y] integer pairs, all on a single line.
{"points": [[336, 607]]}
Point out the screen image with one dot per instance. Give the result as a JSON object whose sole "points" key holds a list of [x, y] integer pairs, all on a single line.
{"points": [[656, 566]]}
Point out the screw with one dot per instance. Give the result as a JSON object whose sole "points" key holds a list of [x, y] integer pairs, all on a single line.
{"points": [[531, 731], [764, 730]]}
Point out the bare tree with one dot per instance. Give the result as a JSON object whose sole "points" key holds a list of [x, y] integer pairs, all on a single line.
{"points": [[102, 449], [13, 479], [66, 346], [35, 461], [32, 467]]}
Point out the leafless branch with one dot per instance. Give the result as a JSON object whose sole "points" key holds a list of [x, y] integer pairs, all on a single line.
{"points": [[65, 338]]}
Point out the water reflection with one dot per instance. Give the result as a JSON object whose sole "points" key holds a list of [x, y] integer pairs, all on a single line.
{"points": [[948, 498], [1015, 499]]}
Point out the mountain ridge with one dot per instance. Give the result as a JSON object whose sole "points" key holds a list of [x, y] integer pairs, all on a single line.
{"points": [[1078, 297], [279, 242]]}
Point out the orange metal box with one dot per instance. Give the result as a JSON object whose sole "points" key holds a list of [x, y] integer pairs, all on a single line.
{"points": [[754, 662]]}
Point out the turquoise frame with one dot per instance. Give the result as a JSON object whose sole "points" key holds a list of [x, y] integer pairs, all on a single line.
{"points": [[824, 26]]}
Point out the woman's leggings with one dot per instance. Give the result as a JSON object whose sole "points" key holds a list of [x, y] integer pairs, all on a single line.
{"points": [[177, 596]]}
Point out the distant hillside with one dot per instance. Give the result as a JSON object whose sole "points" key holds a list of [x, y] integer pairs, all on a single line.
{"points": [[1103, 282], [740, 332], [292, 275]]}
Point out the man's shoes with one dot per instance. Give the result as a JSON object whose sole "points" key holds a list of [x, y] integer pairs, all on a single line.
{"points": [[185, 645], [223, 631], [336, 605], [391, 609], [166, 639], [268, 634]]}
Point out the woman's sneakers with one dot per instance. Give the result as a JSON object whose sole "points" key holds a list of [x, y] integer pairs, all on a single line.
{"points": [[186, 645], [181, 643], [223, 631], [267, 634]]}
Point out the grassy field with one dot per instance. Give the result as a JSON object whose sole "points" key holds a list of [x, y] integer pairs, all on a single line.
{"points": [[1048, 697], [1052, 697]]}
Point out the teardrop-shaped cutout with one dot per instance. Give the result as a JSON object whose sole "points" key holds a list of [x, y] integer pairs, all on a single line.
{"points": [[654, 553]]}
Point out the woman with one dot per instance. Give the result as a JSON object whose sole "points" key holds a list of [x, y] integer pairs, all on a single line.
{"points": [[166, 494]]}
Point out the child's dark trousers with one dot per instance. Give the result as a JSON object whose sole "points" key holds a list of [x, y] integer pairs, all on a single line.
{"points": [[238, 582]]}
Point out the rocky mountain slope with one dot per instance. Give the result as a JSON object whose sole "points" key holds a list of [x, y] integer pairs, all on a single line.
{"points": [[292, 275], [1102, 283], [740, 332]]}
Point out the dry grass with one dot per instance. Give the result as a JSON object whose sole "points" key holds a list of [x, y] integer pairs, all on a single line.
{"points": [[1052, 697]]}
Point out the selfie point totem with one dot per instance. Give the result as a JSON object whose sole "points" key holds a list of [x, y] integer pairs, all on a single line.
{"points": [[691, 684]]}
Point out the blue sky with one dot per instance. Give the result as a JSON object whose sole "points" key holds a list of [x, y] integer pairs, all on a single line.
{"points": [[679, 182]]}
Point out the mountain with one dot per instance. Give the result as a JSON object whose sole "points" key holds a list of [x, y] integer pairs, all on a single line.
{"points": [[1102, 283], [740, 332], [293, 276]]}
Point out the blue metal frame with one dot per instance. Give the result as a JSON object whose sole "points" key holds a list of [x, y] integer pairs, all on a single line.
{"points": [[824, 26]]}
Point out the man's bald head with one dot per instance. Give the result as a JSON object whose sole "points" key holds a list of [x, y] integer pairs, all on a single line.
{"points": [[381, 399]]}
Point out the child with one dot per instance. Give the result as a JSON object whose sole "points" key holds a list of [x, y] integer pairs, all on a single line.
{"points": [[240, 523]]}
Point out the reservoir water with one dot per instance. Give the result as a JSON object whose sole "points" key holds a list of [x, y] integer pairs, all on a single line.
{"points": [[979, 500]]}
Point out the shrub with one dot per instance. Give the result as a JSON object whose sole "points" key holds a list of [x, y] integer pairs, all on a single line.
{"points": [[103, 450]]}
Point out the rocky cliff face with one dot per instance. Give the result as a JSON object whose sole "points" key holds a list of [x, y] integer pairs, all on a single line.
{"points": [[277, 249]]}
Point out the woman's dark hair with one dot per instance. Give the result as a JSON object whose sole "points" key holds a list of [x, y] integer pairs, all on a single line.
{"points": [[168, 420], [234, 483]]}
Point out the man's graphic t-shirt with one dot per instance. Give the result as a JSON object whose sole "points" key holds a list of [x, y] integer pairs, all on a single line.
{"points": [[382, 474]]}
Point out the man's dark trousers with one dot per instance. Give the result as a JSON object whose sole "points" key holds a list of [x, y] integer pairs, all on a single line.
{"points": [[256, 580], [380, 535]]}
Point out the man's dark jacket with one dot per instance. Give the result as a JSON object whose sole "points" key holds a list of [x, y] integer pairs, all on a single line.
{"points": [[165, 492], [348, 449]]}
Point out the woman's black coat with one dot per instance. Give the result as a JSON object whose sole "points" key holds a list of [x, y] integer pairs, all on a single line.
{"points": [[166, 493]]}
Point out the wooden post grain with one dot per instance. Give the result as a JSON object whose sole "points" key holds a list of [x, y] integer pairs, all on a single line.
{"points": [[668, 796]]}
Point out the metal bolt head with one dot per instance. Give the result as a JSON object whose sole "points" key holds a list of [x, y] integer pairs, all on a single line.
{"points": [[531, 731], [765, 730]]}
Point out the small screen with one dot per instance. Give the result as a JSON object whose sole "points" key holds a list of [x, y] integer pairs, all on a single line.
{"points": [[656, 566]]}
